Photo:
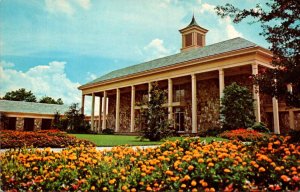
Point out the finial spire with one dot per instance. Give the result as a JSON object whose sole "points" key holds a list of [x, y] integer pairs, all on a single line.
{"points": [[193, 22]]}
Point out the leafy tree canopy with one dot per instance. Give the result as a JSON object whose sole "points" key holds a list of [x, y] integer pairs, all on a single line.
{"points": [[280, 21], [20, 95], [50, 100], [237, 107]]}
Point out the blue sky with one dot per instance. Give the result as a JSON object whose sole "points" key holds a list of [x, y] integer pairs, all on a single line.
{"points": [[53, 46]]}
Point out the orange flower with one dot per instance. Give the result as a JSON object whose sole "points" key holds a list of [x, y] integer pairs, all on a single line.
{"points": [[190, 168], [112, 181], [200, 160], [261, 169], [285, 178], [211, 164], [227, 170], [183, 185], [93, 188], [124, 187], [193, 183]]}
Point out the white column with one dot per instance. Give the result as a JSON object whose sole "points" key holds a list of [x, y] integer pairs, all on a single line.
{"points": [[104, 110], [132, 122], [93, 112], [149, 89], [194, 103], [291, 112], [275, 115], [117, 110], [256, 95], [170, 99], [221, 83], [82, 104], [100, 114]]}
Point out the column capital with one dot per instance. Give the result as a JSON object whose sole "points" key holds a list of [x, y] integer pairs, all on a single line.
{"points": [[193, 75], [221, 71]]}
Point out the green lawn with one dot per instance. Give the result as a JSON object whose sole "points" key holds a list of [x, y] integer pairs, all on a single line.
{"points": [[115, 140]]}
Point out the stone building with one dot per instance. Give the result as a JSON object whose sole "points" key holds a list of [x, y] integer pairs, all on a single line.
{"points": [[194, 79], [28, 116]]}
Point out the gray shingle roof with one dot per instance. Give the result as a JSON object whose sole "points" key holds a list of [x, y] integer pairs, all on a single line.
{"points": [[209, 50], [31, 107]]}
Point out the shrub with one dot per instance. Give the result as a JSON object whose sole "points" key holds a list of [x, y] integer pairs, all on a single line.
{"points": [[108, 131], [243, 135], [186, 165], [211, 132], [44, 138], [154, 121], [260, 127], [237, 107]]}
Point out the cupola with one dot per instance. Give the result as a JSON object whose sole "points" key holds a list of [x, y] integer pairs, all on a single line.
{"points": [[193, 36]]}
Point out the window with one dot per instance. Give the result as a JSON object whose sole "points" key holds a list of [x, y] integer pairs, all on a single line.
{"points": [[46, 124], [178, 94], [199, 39], [188, 40], [28, 124]]}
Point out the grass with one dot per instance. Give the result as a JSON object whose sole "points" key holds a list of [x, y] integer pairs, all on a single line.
{"points": [[115, 140]]}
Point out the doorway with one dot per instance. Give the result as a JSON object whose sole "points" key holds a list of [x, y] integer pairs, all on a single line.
{"points": [[179, 119]]}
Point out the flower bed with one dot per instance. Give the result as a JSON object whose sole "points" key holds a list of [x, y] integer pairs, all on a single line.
{"points": [[187, 165], [45, 138], [242, 134]]}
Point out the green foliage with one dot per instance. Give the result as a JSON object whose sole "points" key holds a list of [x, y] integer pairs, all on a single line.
{"points": [[279, 20], [20, 95], [237, 107], [154, 120], [260, 127], [59, 122], [50, 100], [75, 119], [108, 131]]}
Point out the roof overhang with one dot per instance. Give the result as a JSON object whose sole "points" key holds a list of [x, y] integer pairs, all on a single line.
{"points": [[255, 50]]}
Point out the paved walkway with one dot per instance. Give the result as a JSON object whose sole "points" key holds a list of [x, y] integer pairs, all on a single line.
{"points": [[98, 148]]}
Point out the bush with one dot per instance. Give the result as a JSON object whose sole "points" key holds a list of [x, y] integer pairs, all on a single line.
{"points": [[243, 135], [108, 131], [260, 127], [44, 138], [186, 165], [153, 120], [211, 132], [237, 107]]}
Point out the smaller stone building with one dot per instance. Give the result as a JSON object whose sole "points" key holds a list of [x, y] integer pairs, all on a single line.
{"points": [[28, 116]]}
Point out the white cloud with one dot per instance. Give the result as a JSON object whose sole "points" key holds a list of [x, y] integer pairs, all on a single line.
{"points": [[42, 80], [205, 7], [230, 30], [66, 6], [63, 6], [155, 49], [224, 25], [85, 4], [5, 64], [91, 76]]}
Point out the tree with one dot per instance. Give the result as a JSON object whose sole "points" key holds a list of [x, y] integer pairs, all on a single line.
{"points": [[50, 100], [155, 124], [20, 95], [75, 118], [237, 107], [279, 20]]}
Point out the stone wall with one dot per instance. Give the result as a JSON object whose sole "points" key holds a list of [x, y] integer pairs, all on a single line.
{"points": [[125, 106], [297, 120], [20, 124], [208, 104], [111, 116], [37, 124]]}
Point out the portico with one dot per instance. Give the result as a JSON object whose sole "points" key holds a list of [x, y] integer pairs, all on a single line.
{"points": [[194, 80]]}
